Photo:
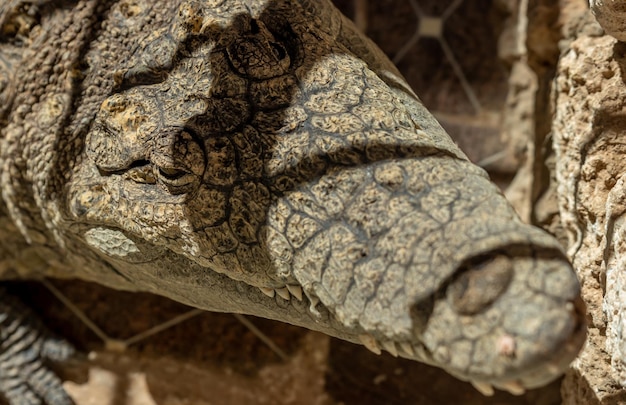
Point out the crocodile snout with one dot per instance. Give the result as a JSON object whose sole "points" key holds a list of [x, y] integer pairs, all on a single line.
{"points": [[513, 322]]}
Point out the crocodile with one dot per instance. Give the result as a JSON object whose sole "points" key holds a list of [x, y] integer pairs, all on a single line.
{"points": [[260, 157]]}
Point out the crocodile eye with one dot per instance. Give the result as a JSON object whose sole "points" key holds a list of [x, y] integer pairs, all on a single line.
{"points": [[177, 181], [177, 160], [171, 173]]}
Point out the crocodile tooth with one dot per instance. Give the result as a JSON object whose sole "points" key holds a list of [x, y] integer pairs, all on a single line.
{"points": [[514, 387], [390, 346], [314, 301], [267, 291], [407, 349], [483, 387], [371, 343], [283, 293], [296, 291]]}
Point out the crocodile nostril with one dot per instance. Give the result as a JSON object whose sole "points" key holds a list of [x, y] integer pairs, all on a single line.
{"points": [[479, 284]]}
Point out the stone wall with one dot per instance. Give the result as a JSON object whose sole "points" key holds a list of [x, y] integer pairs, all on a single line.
{"points": [[588, 126]]}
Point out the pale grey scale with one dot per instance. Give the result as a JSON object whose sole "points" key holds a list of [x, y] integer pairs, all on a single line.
{"points": [[21, 395], [41, 379], [24, 343]]}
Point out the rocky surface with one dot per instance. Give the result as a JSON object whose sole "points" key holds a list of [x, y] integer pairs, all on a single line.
{"points": [[611, 15], [588, 127]]}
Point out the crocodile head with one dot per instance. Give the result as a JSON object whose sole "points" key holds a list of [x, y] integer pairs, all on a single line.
{"points": [[262, 157]]}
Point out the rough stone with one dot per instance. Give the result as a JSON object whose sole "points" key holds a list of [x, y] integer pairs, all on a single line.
{"points": [[588, 123], [611, 14]]}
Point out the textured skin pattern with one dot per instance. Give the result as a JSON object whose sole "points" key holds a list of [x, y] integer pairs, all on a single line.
{"points": [[24, 347], [263, 157]]}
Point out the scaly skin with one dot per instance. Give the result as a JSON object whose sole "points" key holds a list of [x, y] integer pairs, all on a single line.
{"points": [[26, 346], [262, 157]]}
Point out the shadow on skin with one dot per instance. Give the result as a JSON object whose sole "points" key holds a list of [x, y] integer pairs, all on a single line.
{"points": [[201, 92]]}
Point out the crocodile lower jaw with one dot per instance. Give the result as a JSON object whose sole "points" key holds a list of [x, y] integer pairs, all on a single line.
{"points": [[410, 348], [515, 385], [542, 374]]}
